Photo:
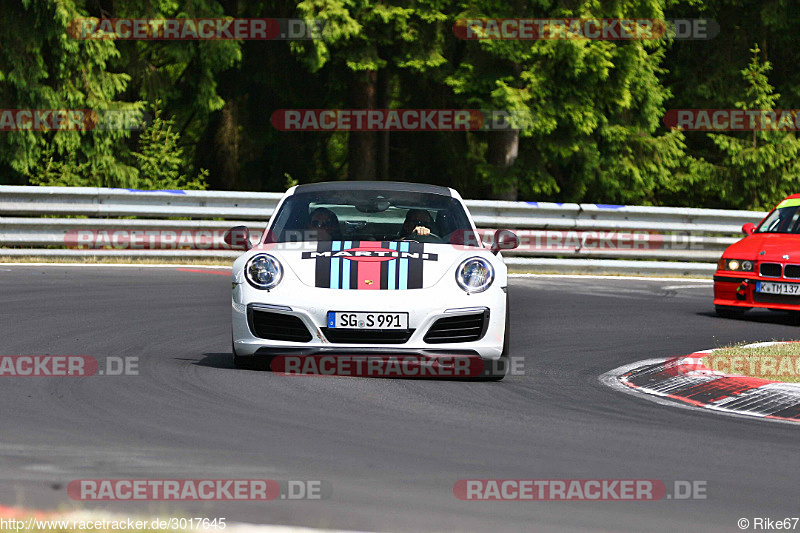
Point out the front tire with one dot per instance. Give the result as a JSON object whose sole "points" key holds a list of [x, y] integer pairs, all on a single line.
{"points": [[238, 361], [498, 368]]}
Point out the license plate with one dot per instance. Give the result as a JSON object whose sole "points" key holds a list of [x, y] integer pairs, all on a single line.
{"points": [[354, 320], [770, 287]]}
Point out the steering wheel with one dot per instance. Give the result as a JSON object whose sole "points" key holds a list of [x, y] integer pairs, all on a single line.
{"points": [[423, 238]]}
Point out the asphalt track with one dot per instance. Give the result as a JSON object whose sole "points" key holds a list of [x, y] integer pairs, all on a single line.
{"points": [[392, 449]]}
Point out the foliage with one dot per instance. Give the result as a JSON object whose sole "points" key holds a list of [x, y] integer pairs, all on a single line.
{"points": [[42, 67], [159, 163], [764, 165], [596, 107], [160, 158]]}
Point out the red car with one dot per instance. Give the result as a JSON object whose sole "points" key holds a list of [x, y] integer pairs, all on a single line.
{"points": [[763, 269]]}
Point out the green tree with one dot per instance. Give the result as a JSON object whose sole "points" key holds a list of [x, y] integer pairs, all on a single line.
{"points": [[184, 75], [42, 67], [763, 166], [160, 158], [596, 107], [368, 43], [158, 164]]}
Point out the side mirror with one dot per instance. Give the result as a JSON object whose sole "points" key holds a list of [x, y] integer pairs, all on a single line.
{"points": [[748, 228], [504, 240], [238, 238]]}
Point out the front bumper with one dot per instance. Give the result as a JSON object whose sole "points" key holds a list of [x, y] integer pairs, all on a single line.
{"points": [[424, 307], [739, 290]]}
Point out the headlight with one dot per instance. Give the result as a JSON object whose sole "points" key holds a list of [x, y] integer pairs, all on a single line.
{"points": [[475, 275], [736, 264], [263, 271]]}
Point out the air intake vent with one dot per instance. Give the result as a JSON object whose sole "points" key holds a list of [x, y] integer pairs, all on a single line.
{"points": [[770, 270], [367, 336], [791, 271], [461, 328], [277, 326]]}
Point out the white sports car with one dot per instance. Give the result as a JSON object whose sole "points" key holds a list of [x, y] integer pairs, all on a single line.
{"points": [[372, 269]]}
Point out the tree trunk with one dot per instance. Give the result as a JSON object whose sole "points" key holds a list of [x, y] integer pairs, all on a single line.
{"points": [[383, 136], [227, 141], [363, 145], [503, 150]]}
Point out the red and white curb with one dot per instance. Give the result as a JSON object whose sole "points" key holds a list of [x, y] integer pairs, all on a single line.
{"points": [[685, 380]]}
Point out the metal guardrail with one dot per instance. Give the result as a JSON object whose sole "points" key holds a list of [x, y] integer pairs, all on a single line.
{"points": [[543, 215], [99, 202], [554, 237]]}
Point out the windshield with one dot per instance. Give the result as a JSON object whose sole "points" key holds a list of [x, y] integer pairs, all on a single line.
{"points": [[783, 220], [369, 215]]}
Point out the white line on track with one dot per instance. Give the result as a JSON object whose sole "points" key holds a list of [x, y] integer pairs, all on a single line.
{"points": [[512, 275], [565, 276], [252, 528], [596, 276], [126, 265]]}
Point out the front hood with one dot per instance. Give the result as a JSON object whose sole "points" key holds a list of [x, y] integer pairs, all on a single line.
{"points": [[773, 245], [370, 265]]}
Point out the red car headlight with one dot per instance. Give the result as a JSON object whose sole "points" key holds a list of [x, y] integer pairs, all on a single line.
{"points": [[735, 265]]}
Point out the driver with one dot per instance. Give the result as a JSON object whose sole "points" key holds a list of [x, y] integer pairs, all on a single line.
{"points": [[326, 225], [417, 222]]}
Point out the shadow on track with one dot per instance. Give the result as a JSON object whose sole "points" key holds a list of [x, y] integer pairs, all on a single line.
{"points": [[216, 360], [784, 318], [262, 364], [225, 361]]}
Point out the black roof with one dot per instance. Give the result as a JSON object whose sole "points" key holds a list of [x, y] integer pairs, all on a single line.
{"points": [[392, 186]]}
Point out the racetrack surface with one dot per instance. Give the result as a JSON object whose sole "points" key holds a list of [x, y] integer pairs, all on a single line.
{"points": [[392, 449]]}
